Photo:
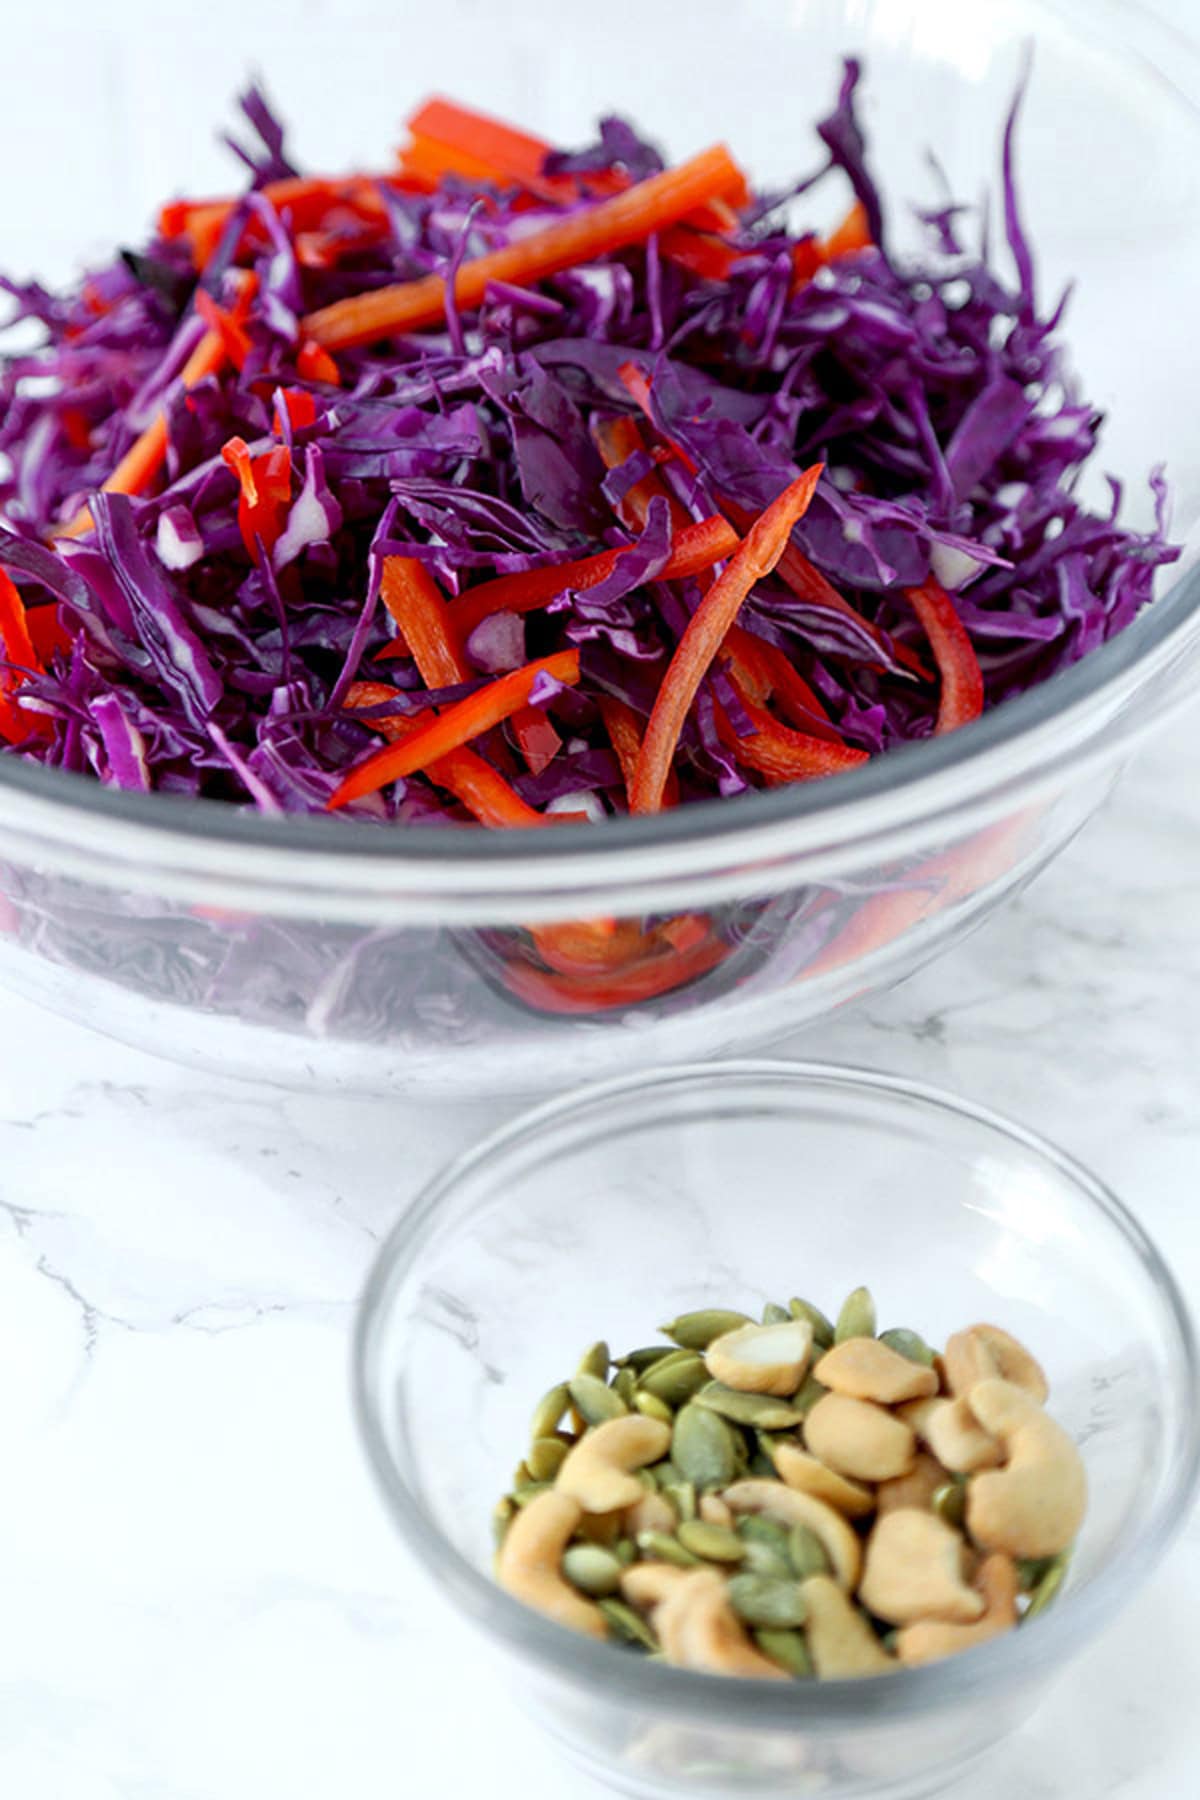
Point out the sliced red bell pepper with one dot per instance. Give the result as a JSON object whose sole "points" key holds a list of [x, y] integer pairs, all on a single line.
{"points": [[962, 679], [266, 492], [431, 635], [550, 992]]}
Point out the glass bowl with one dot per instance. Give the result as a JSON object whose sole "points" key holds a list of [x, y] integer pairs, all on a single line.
{"points": [[332, 954], [603, 1213]]}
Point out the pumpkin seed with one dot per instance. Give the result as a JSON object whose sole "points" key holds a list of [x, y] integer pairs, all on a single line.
{"points": [[522, 1475], [821, 1326], [503, 1514], [521, 1496], [761, 1559], [644, 1358], [713, 1543], [682, 1496], [653, 1408], [787, 1648], [697, 1330], [676, 1378], [624, 1385], [704, 1449], [760, 1600], [625, 1551], [664, 1475], [763, 1410], [949, 1502], [548, 1411], [592, 1569], [1030, 1570], [662, 1547], [908, 1343], [627, 1625], [766, 1546], [806, 1397], [775, 1315], [806, 1553], [596, 1403], [1048, 1588], [545, 1458], [595, 1361], [761, 1466], [857, 1317]]}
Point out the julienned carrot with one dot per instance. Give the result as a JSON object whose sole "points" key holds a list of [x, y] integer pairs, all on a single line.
{"points": [[613, 224], [306, 198], [412, 597], [693, 549], [475, 144], [617, 439], [706, 630], [700, 252], [232, 333], [481, 788], [455, 726], [601, 992], [853, 234], [625, 736], [962, 679]]}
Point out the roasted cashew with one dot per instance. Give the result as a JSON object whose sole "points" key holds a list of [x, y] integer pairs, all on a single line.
{"points": [[860, 1439], [1034, 1506], [597, 1471], [788, 1507], [952, 1432], [652, 1512], [868, 1370], [914, 1570], [762, 1359], [647, 1584], [698, 1629], [528, 1565], [840, 1640], [917, 1488], [931, 1639], [983, 1352], [808, 1476]]}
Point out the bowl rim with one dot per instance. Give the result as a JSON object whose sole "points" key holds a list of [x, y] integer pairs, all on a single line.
{"points": [[907, 1693]]}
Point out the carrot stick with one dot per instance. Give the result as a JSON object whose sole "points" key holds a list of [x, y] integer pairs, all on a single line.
{"points": [[612, 224], [308, 198], [962, 679], [854, 233], [706, 630], [695, 548], [617, 440], [625, 736], [411, 596], [454, 727], [484, 146]]}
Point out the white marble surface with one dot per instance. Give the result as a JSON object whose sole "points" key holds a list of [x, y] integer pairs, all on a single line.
{"points": [[200, 1596]]}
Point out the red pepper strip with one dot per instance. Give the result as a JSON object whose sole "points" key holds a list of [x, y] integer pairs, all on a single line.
{"points": [[307, 198], [480, 788], [266, 496], [15, 724], [617, 440], [764, 673], [538, 740], [783, 755], [300, 407], [755, 557], [695, 548], [315, 364], [699, 252], [878, 922], [233, 335], [47, 633], [145, 457], [627, 218], [430, 634], [75, 428], [553, 993], [962, 679], [625, 736], [584, 946], [456, 725]]}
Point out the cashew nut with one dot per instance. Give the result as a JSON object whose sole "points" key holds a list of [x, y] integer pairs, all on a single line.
{"points": [[951, 1431], [698, 1629], [860, 1439], [529, 1563], [788, 1507], [917, 1488], [808, 1476], [931, 1639], [762, 1359], [647, 1584], [868, 1370], [713, 1510], [983, 1352], [840, 1640], [653, 1512], [597, 1471], [1034, 1506], [914, 1570]]}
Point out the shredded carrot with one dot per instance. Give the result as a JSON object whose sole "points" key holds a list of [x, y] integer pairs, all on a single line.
{"points": [[485, 146], [763, 673], [625, 736], [583, 946], [475, 783], [706, 630], [431, 636], [853, 234], [455, 726], [308, 199], [233, 335], [612, 224], [962, 679]]}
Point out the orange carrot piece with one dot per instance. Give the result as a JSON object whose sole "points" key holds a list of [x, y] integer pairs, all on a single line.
{"points": [[315, 364], [853, 234], [233, 335], [473, 782], [553, 993], [431, 637], [625, 736], [488, 142], [613, 224], [706, 630], [618, 439], [962, 679], [700, 252], [455, 726]]}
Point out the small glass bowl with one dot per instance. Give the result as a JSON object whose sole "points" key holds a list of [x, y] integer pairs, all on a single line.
{"points": [[608, 1211]]}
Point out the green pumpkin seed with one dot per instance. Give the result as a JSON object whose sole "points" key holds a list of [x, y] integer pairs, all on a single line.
{"points": [[653, 1408], [775, 1315], [1030, 1570], [908, 1343], [704, 1448], [759, 1600], [503, 1514], [625, 1551], [626, 1625], [549, 1411], [760, 1559], [682, 1496], [949, 1502], [806, 1397], [761, 1467], [595, 1361], [624, 1385], [821, 1326], [762, 1410], [676, 1378], [522, 1475], [697, 1330], [660, 1546], [787, 1648], [1048, 1588], [591, 1569], [766, 1546], [521, 1496], [664, 1475], [806, 1553], [712, 1543], [596, 1403], [546, 1457], [644, 1358], [857, 1317]]}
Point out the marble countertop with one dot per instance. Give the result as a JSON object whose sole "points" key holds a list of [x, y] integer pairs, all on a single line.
{"points": [[200, 1595]]}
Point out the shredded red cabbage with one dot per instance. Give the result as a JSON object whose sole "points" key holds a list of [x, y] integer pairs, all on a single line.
{"points": [[178, 651]]}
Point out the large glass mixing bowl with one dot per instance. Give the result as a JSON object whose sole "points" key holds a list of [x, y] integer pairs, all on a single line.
{"points": [[316, 951]]}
